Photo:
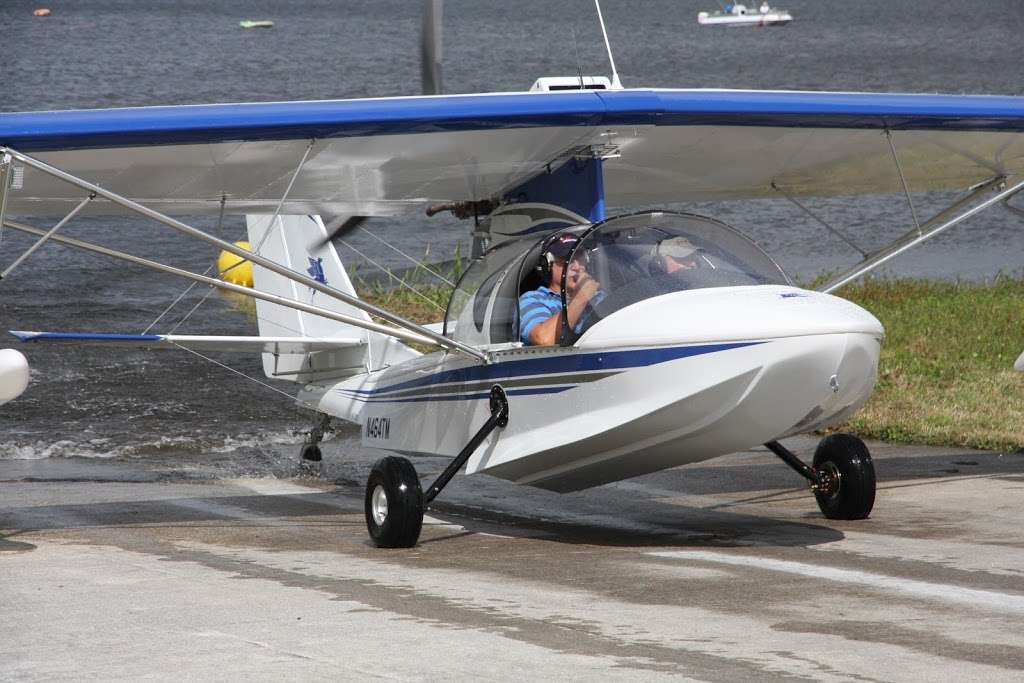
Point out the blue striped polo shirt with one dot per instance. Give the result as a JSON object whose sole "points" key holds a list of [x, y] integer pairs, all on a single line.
{"points": [[540, 304], [535, 307]]}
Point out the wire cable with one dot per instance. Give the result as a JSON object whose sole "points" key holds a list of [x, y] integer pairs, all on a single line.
{"points": [[418, 264], [220, 223], [287, 190], [395, 277], [291, 398]]}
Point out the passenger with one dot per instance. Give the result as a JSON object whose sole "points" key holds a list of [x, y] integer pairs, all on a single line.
{"points": [[677, 255], [540, 311]]}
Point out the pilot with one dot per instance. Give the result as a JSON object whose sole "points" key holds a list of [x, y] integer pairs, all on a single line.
{"points": [[540, 311], [676, 255]]}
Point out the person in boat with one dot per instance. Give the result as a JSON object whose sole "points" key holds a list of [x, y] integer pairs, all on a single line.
{"points": [[540, 310]]}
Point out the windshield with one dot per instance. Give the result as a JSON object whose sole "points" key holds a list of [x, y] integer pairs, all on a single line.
{"points": [[636, 257]]}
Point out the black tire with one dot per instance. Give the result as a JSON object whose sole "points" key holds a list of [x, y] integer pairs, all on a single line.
{"points": [[311, 452], [395, 521], [852, 494]]}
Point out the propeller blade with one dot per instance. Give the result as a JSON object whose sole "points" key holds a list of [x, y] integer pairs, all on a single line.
{"points": [[339, 227], [430, 48]]}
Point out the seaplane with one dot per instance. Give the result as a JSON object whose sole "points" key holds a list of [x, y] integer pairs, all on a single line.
{"points": [[671, 337]]}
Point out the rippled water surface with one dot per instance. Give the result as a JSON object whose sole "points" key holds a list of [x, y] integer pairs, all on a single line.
{"points": [[99, 403]]}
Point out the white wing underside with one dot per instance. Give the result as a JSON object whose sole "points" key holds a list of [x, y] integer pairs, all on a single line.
{"points": [[394, 156], [401, 174]]}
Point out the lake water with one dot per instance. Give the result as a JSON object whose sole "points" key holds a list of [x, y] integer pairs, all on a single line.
{"points": [[92, 54]]}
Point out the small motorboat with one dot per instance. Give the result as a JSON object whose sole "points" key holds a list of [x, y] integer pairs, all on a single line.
{"points": [[250, 23], [741, 15]]}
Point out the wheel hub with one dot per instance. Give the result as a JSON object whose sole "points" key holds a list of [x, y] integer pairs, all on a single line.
{"points": [[379, 505], [828, 479]]}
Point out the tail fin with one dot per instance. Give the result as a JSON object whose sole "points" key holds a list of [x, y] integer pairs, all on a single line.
{"points": [[300, 242]]}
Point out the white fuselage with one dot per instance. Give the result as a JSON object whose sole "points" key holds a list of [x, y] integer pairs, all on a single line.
{"points": [[667, 381]]}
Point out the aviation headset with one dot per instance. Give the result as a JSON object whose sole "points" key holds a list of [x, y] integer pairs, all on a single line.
{"points": [[546, 259]]}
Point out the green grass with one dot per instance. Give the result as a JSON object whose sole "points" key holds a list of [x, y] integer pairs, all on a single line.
{"points": [[946, 371], [422, 301]]}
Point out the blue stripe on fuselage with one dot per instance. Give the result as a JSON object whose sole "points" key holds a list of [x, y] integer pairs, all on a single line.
{"points": [[562, 363], [460, 397]]}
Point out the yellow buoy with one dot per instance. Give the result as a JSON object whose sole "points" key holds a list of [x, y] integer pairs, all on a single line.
{"points": [[234, 268]]}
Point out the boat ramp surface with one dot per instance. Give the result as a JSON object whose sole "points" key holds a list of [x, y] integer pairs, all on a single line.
{"points": [[721, 571]]}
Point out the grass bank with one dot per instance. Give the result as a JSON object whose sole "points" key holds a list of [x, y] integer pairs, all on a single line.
{"points": [[946, 371], [423, 304]]}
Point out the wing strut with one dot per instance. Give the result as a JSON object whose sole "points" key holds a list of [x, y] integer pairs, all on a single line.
{"points": [[214, 282], [6, 176], [982, 197], [42, 240], [814, 216], [903, 179], [434, 337]]}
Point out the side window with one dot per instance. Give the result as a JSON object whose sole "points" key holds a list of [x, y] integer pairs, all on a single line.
{"points": [[505, 312], [484, 306], [483, 298], [527, 279]]}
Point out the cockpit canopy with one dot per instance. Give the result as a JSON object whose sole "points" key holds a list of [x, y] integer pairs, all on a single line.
{"points": [[632, 258]]}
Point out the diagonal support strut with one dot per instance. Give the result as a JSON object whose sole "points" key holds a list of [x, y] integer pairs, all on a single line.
{"points": [[46, 236], [498, 418], [273, 266], [983, 196], [398, 333]]}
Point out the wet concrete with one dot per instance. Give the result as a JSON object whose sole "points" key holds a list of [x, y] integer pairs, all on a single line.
{"points": [[718, 571]]}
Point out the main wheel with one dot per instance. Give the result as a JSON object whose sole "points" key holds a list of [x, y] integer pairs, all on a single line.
{"points": [[848, 490], [394, 503]]}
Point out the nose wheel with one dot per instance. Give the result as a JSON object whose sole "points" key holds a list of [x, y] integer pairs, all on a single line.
{"points": [[842, 476], [847, 476]]}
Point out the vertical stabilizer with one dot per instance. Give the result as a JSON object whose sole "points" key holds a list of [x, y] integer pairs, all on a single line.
{"points": [[300, 242]]}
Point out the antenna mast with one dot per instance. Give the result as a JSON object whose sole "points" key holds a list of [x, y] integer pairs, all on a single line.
{"points": [[616, 84]]}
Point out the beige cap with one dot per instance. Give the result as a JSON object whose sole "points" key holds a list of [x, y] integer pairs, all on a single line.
{"points": [[677, 247]]}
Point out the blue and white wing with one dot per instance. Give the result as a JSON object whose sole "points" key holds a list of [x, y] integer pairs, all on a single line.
{"points": [[396, 155]]}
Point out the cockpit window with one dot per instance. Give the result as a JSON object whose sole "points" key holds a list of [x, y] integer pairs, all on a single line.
{"points": [[483, 307], [637, 257], [614, 264]]}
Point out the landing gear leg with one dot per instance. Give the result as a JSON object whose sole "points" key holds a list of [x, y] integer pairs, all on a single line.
{"points": [[311, 449], [842, 477], [394, 502]]}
